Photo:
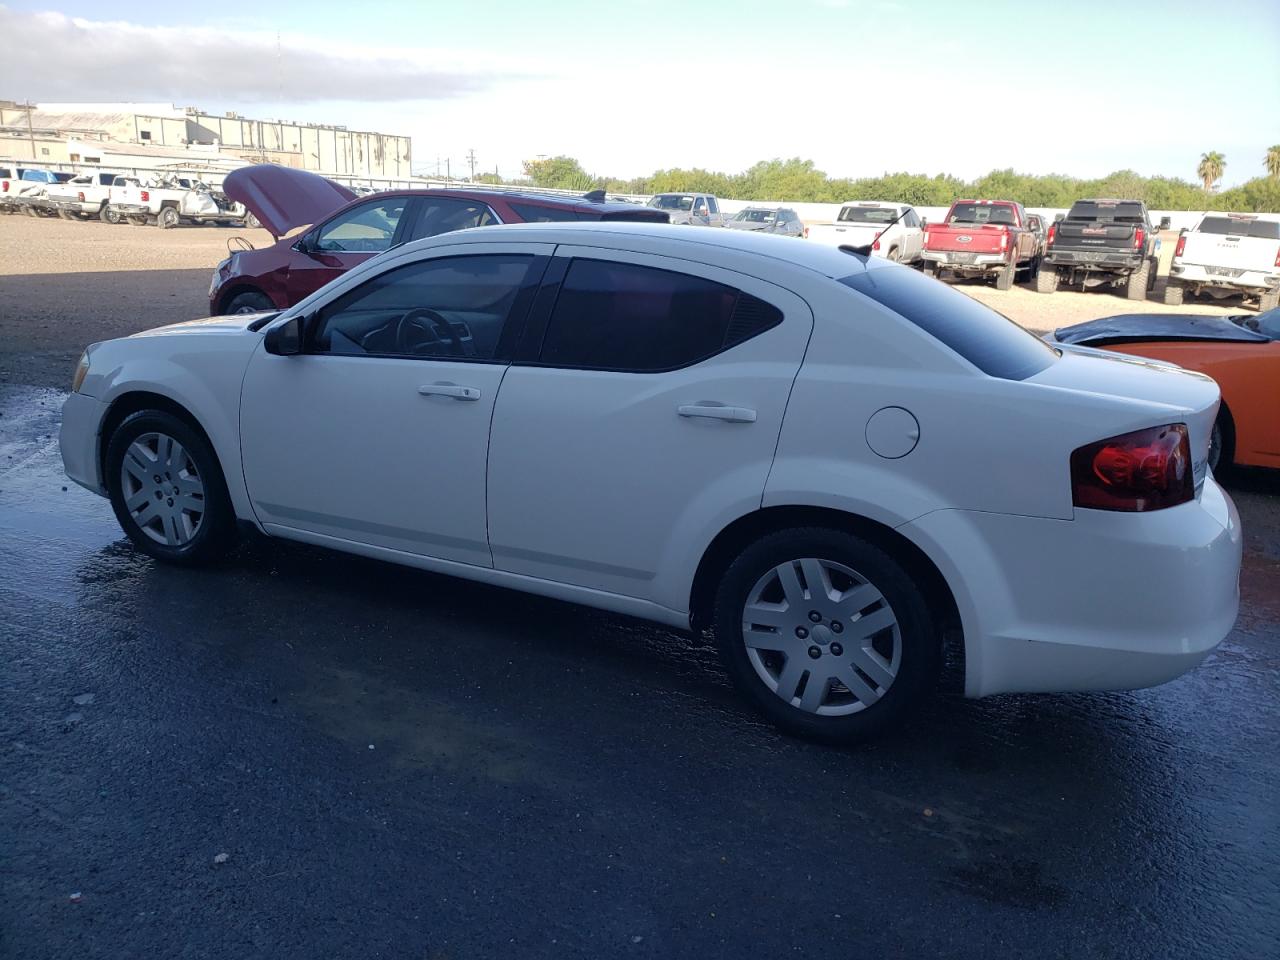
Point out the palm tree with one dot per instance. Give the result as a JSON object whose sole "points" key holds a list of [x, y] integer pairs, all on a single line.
{"points": [[1211, 166], [1272, 160]]}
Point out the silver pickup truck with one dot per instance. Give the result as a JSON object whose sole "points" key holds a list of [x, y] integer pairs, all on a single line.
{"points": [[691, 209]]}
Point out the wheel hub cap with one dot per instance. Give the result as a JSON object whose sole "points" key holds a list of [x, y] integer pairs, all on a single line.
{"points": [[162, 489], [822, 637]]}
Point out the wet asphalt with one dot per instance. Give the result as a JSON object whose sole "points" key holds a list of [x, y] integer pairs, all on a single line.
{"points": [[397, 764]]}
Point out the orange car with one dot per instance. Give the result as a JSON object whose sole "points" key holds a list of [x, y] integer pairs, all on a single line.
{"points": [[1241, 352]]}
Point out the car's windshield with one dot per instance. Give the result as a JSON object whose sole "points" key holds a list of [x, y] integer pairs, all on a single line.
{"points": [[981, 213], [757, 216], [1241, 227], [672, 201], [867, 215]]}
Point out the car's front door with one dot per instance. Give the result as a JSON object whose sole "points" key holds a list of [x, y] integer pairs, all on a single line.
{"points": [[649, 412], [378, 433], [347, 239]]}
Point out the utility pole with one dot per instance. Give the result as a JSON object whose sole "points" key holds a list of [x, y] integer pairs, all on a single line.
{"points": [[31, 134], [471, 159], [448, 175]]}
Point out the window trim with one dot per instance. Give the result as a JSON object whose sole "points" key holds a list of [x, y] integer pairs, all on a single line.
{"points": [[529, 351], [512, 331]]}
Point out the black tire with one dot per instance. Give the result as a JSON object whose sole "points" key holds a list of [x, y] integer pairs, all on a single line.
{"points": [[1047, 279], [1268, 301], [1222, 443], [1173, 293], [1138, 282], [251, 301], [1155, 272], [137, 221], [167, 218], [918, 633], [66, 215], [929, 269], [215, 532], [107, 215], [1005, 276], [893, 254]]}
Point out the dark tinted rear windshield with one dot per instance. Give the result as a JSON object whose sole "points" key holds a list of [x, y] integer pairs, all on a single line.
{"points": [[1240, 227], [990, 341], [867, 215], [981, 213], [1117, 211]]}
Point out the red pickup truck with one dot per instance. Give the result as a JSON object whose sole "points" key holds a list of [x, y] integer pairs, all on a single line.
{"points": [[981, 238]]}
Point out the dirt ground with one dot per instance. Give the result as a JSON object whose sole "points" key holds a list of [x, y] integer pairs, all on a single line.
{"points": [[66, 284]]}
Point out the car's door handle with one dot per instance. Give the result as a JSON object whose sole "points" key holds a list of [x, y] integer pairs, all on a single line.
{"points": [[717, 411], [443, 388]]}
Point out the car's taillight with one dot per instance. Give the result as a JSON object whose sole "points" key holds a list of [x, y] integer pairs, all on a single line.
{"points": [[1278, 256], [1182, 245], [926, 238], [80, 197], [1138, 237], [875, 244], [1053, 232], [1004, 240], [4, 185], [806, 233], [146, 196], [1136, 472]]}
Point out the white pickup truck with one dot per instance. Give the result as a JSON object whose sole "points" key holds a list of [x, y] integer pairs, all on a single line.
{"points": [[861, 223], [1228, 254], [83, 196], [167, 203]]}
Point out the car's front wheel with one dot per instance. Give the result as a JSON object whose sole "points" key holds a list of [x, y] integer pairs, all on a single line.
{"points": [[826, 634], [251, 301], [167, 489]]}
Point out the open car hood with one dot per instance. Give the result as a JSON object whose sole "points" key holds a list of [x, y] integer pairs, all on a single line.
{"points": [[283, 198], [1146, 327]]}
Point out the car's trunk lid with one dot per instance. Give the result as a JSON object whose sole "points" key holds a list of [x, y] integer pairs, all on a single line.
{"points": [[284, 199]]}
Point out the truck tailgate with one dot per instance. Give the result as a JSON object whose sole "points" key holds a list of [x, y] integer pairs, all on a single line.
{"points": [[1099, 235], [966, 238], [1230, 251]]}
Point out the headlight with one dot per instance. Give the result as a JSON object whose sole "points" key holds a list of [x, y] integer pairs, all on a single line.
{"points": [[82, 371]]}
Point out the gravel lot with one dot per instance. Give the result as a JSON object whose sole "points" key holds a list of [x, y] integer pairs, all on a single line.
{"points": [[65, 284]]}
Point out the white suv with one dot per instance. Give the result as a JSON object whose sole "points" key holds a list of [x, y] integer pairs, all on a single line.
{"points": [[828, 459]]}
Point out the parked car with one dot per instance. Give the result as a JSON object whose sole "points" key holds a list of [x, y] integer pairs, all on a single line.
{"points": [[778, 220], [1241, 352], [690, 209], [982, 238], [830, 460], [348, 231], [8, 188], [170, 201], [1102, 242], [84, 195], [872, 222], [32, 196], [1225, 255], [1036, 224]]}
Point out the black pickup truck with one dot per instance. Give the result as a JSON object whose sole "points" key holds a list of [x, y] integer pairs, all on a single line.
{"points": [[1102, 242]]}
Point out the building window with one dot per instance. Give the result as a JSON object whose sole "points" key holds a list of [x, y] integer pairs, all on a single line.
{"points": [[145, 135], [92, 159], [75, 158], [44, 151]]}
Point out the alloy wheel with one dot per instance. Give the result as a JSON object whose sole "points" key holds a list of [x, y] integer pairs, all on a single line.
{"points": [[162, 489], [822, 637]]}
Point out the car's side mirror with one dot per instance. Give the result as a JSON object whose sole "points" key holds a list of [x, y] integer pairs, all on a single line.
{"points": [[305, 244], [284, 339], [1166, 223]]}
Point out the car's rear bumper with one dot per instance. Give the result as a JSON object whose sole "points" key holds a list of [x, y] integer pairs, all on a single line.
{"points": [[73, 206], [1198, 274], [131, 210], [1106, 601], [1110, 261], [965, 262], [78, 440]]}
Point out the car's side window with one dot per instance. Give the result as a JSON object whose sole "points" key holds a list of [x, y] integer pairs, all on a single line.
{"points": [[450, 307], [910, 219], [713, 205], [444, 215], [369, 228], [532, 213], [627, 317]]}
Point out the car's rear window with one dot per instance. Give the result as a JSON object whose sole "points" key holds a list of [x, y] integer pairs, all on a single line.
{"points": [[1241, 227], [981, 213], [1114, 210], [672, 201], [989, 340], [867, 215]]}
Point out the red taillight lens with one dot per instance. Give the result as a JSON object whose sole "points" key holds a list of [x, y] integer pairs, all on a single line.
{"points": [[1004, 240], [1137, 472], [875, 244], [1138, 237], [1278, 256], [146, 196], [806, 233], [80, 197], [1182, 245], [1053, 232], [926, 238], [4, 185]]}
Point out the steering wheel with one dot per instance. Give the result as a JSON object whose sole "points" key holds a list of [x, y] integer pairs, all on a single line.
{"points": [[439, 330]]}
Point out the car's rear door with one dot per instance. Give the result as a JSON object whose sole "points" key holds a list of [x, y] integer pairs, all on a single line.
{"points": [[643, 409], [378, 433]]}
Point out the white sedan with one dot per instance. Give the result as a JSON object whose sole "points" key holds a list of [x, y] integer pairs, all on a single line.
{"points": [[833, 462]]}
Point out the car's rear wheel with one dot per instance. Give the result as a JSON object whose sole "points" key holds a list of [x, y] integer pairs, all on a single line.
{"points": [[167, 218], [1138, 282], [825, 633], [1005, 276], [167, 489], [251, 301], [1173, 293], [1268, 301], [107, 215]]}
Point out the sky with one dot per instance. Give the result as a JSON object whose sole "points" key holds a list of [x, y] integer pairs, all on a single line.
{"points": [[859, 86]]}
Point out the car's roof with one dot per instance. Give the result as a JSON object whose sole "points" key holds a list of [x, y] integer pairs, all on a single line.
{"points": [[548, 199], [664, 239]]}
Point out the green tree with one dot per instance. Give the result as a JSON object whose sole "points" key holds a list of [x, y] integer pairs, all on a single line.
{"points": [[1272, 162], [560, 173], [1212, 165]]}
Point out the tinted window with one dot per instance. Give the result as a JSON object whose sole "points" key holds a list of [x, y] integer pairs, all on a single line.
{"points": [[1241, 227], [981, 213], [713, 204], [532, 213], [990, 341], [672, 201], [446, 215], [369, 228], [758, 216], [454, 307], [619, 316], [867, 214], [1114, 210], [910, 219]]}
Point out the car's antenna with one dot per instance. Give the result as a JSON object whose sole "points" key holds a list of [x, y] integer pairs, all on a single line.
{"points": [[865, 250]]}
